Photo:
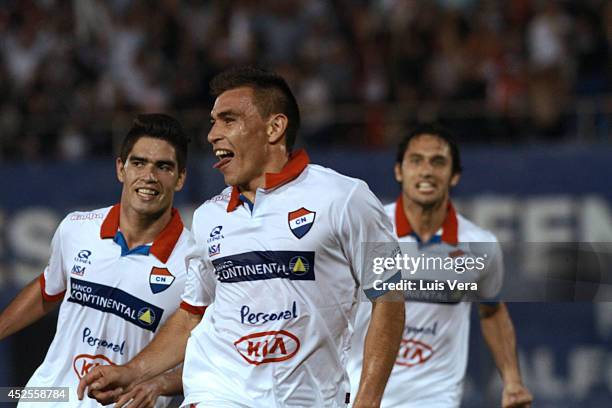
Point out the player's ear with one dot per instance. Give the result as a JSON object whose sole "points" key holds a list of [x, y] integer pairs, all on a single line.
{"points": [[277, 125], [181, 180], [120, 169], [455, 179], [397, 169]]}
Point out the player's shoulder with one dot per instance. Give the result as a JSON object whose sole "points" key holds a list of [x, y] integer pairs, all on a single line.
{"points": [[84, 219], [219, 201], [471, 232], [211, 209], [327, 179], [390, 209], [184, 243]]}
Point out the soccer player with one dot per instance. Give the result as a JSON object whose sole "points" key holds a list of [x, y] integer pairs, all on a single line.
{"points": [[432, 359], [117, 272], [273, 285]]}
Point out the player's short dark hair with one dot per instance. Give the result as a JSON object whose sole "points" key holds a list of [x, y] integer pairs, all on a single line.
{"points": [[271, 93], [158, 126], [438, 131]]}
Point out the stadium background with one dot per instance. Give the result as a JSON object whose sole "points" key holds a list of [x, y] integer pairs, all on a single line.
{"points": [[526, 85]]}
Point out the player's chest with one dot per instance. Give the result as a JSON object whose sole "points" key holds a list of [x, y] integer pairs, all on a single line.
{"points": [[99, 267], [292, 226]]}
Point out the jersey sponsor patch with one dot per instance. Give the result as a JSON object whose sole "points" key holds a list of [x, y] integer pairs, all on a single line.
{"points": [[262, 265], [413, 352], [300, 221], [160, 279], [83, 363], [115, 301], [268, 347], [78, 270]]}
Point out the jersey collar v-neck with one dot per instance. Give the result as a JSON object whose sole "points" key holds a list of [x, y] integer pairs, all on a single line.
{"points": [[294, 167], [449, 226], [162, 246]]}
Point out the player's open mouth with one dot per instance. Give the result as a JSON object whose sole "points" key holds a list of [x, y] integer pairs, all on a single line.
{"points": [[147, 193], [224, 156], [425, 187]]}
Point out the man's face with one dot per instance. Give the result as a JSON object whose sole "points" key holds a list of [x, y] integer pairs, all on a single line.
{"points": [[238, 137], [150, 176], [426, 171]]}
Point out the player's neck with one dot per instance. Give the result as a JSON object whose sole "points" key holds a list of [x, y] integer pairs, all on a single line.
{"points": [[276, 161], [425, 220], [139, 229]]}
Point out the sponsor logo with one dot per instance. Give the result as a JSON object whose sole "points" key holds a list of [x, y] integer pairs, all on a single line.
{"points": [[214, 249], [414, 330], [300, 221], [117, 302], [413, 352], [87, 216], [147, 316], [83, 257], [98, 342], [220, 197], [248, 317], [78, 270], [215, 234], [267, 347], [160, 279], [83, 363], [299, 265], [262, 265]]}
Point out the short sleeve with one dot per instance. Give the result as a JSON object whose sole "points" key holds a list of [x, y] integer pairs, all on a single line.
{"points": [[492, 277], [200, 285], [367, 234], [54, 277]]}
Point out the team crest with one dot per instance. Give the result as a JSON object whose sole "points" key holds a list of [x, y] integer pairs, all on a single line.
{"points": [[300, 221], [160, 279]]}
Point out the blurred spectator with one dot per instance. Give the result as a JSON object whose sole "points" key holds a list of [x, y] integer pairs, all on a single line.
{"points": [[495, 70]]}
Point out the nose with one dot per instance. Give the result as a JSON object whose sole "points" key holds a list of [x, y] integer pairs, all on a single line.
{"points": [[150, 173], [213, 135], [425, 169]]}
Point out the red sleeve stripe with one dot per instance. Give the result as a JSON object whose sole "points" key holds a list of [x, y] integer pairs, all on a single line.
{"points": [[49, 298], [199, 310]]}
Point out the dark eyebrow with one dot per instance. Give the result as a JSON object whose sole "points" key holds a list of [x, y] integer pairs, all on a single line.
{"points": [[225, 114], [157, 163]]}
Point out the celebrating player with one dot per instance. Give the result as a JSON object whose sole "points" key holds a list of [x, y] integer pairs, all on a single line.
{"points": [[121, 266], [277, 268], [432, 359]]}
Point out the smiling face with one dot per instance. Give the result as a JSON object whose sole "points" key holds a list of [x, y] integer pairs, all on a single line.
{"points": [[150, 177], [426, 172], [239, 137]]}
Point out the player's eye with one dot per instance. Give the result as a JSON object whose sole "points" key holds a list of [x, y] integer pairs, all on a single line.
{"points": [[414, 159]]}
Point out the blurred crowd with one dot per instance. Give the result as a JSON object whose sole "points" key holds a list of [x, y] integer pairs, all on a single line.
{"points": [[362, 70]]}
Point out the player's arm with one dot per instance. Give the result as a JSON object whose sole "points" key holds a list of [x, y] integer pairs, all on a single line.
{"points": [[380, 348], [498, 332], [28, 307], [166, 350], [144, 395]]}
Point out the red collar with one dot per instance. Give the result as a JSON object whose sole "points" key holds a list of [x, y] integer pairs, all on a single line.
{"points": [[449, 226], [294, 167], [164, 243]]}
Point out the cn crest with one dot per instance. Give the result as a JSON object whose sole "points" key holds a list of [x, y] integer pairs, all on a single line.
{"points": [[160, 279], [300, 221]]}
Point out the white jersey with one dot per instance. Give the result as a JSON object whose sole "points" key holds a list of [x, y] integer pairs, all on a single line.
{"points": [[114, 299], [432, 359], [282, 280]]}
